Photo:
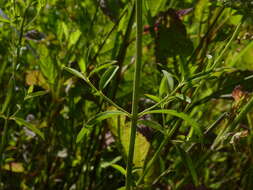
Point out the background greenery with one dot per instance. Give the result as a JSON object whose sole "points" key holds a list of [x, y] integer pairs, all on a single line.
{"points": [[66, 74]]}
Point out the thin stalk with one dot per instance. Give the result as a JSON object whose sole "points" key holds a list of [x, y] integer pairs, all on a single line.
{"points": [[227, 45], [136, 84], [209, 30], [19, 45], [167, 98], [106, 98], [108, 35]]}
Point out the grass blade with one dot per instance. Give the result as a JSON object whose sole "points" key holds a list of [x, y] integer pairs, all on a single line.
{"points": [[35, 94], [81, 134], [75, 72], [107, 77]]}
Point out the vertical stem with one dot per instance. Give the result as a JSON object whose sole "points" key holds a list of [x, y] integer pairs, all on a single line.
{"points": [[136, 84]]}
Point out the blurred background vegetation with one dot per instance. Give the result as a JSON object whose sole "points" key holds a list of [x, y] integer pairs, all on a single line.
{"points": [[198, 53]]}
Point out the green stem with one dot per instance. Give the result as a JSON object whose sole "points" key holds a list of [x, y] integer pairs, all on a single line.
{"points": [[166, 99], [106, 98], [19, 45], [108, 35], [136, 84], [227, 45]]}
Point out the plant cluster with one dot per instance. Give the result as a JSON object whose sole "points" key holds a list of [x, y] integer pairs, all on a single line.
{"points": [[126, 95]]}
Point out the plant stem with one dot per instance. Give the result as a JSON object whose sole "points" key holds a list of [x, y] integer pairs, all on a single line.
{"points": [[166, 99], [227, 45], [136, 84], [106, 98]]}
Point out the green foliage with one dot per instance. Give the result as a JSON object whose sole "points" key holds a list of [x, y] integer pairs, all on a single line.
{"points": [[67, 78]]}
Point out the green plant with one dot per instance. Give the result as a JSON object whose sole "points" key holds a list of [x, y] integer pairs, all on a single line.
{"points": [[94, 99]]}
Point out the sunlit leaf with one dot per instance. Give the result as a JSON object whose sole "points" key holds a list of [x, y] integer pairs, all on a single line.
{"points": [[184, 98], [169, 79], [109, 163], [74, 37], [121, 130], [119, 168], [35, 77], [82, 65], [35, 94], [141, 145], [103, 66], [152, 97], [47, 64], [107, 76], [14, 167], [4, 20], [75, 72], [81, 134]]}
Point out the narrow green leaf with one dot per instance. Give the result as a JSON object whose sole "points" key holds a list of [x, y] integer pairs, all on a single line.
{"points": [[82, 65], [74, 37], [167, 83], [81, 134], [35, 94], [30, 89], [187, 161], [65, 29], [181, 115], [75, 72], [30, 126], [163, 88], [4, 20], [107, 77], [152, 97], [169, 79], [199, 76], [184, 98], [99, 68], [106, 164], [105, 115], [154, 125], [119, 168]]}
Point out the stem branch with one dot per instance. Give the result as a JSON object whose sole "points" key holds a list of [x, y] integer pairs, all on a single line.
{"points": [[136, 84]]}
